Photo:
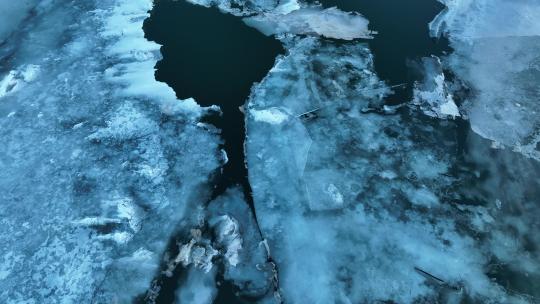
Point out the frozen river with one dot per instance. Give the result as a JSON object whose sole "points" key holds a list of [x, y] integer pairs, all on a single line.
{"points": [[265, 151]]}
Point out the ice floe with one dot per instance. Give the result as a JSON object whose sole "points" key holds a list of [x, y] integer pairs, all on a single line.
{"points": [[362, 207], [496, 47]]}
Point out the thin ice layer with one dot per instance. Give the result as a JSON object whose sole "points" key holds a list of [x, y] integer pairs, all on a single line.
{"points": [[99, 161], [497, 47], [359, 206]]}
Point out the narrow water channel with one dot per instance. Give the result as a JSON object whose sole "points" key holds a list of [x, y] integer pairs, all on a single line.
{"points": [[214, 58]]}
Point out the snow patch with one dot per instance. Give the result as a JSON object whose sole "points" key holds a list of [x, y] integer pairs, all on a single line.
{"points": [[273, 116]]}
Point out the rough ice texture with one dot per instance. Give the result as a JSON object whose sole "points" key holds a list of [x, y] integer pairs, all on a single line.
{"points": [[361, 207], [475, 19], [497, 54], [330, 23], [101, 165], [99, 161]]}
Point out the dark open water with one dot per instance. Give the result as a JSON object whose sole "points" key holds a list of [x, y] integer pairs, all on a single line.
{"points": [[216, 59]]}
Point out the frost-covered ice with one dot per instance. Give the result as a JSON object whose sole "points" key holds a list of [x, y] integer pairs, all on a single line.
{"points": [[477, 19], [99, 161], [271, 116], [497, 47], [360, 207]]}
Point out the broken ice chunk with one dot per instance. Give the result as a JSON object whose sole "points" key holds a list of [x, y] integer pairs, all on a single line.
{"points": [[198, 254], [228, 233], [330, 23], [367, 219]]}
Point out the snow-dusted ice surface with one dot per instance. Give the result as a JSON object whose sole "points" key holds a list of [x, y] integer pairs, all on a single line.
{"points": [[360, 207], [99, 161]]}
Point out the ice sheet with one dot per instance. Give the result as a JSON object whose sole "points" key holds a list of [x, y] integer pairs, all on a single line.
{"points": [[100, 162]]}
